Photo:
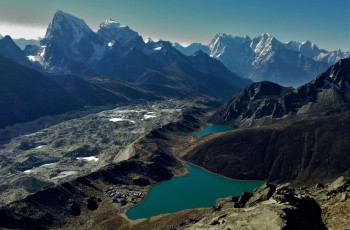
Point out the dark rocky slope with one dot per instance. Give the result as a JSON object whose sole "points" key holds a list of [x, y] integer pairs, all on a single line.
{"points": [[26, 94], [266, 102], [10, 50], [100, 91], [160, 65], [303, 152]]}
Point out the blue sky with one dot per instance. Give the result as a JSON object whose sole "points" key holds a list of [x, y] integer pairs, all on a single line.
{"points": [[325, 22]]}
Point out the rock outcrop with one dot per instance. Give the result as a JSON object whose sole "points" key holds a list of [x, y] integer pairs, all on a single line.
{"points": [[268, 207]]}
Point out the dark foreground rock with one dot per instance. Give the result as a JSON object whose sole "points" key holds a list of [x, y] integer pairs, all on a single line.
{"points": [[268, 207]]}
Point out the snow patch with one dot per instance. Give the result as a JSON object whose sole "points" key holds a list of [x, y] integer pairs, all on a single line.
{"points": [[147, 40], [158, 48], [92, 158], [116, 119], [111, 43], [148, 116], [32, 58], [50, 164], [64, 174]]}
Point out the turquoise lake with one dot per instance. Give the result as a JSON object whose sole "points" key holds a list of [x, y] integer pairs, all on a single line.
{"points": [[213, 129], [198, 189]]}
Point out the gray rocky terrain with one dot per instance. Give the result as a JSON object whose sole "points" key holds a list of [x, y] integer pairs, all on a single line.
{"points": [[77, 146]]}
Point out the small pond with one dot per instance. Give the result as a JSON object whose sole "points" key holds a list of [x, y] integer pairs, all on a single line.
{"points": [[214, 129]]}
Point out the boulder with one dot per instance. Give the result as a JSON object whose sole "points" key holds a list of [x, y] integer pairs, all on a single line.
{"points": [[339, 185], [92, 203], [74, 209], [262, 193], [242, 200]]}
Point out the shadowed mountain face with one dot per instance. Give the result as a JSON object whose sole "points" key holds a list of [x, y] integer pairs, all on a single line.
{"points": [[304, 152], [10, 50], [26, 94], [267, 102], [100, 91]]}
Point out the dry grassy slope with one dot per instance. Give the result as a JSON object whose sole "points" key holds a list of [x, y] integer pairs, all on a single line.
{"points": [[304, 152]]}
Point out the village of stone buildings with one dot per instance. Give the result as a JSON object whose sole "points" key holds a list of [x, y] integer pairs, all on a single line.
{"points": [[124, 195]]}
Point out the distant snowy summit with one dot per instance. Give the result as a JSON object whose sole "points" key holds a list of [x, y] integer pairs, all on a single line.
{"points": [[112, 31], [69, 43], [266, 58], [148, 40]]}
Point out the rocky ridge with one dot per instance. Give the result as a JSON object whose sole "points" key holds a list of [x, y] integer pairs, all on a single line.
{"points": [[322, 206], [266, 102]]}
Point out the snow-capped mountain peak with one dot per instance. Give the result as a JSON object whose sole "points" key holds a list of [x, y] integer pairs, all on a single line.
{"points": [[66, 25], [111, 30], [263, 44], [111, 23], [68, 41], [148, 40]]}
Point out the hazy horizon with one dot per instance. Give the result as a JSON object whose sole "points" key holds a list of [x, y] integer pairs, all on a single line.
{"points": [[322, 22]]}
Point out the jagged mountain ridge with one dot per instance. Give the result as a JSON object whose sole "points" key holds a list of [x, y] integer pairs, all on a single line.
{"points": [[266, 58], [311, 50], [117, 52], [267, 102]]}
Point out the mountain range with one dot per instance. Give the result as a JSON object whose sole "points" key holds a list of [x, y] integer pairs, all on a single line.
{"points": [[265, 58], [114, 65], [117, 52], [116, 58], [70, 46]]}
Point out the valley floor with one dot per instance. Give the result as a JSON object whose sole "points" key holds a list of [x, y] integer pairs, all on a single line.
{"points": [[128, 149], [77, 146]]}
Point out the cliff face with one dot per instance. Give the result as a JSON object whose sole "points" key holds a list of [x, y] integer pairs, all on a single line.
{"points": [[303, 152]]}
